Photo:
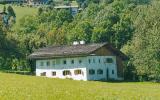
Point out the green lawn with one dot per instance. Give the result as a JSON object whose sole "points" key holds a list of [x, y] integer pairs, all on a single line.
{"points": [[19, 87], [22, 11]]}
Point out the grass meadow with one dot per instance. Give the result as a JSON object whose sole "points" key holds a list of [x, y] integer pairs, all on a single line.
{"points": [[21, 87], [21, 11]]}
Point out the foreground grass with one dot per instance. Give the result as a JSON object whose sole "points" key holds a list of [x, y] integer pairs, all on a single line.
{"points": [[19, 87]]}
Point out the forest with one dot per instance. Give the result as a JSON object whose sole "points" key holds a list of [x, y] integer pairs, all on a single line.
{"points": [[132, 26]]}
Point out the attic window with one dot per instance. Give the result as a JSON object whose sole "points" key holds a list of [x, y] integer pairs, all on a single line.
{"points": [[109, 60]]}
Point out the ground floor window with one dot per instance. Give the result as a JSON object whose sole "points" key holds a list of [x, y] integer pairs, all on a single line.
{"points": [[66, 72], [78, 72], [43, 74], [99, 71], [91, 71], [53, 73]]}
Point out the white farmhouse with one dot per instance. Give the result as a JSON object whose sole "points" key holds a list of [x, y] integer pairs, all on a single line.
{"points": [[97, 61]]}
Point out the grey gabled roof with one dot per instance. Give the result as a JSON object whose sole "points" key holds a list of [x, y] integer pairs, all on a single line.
{"points": [[70, 50]]}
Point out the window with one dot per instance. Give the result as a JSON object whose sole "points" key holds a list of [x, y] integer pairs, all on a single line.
{"points": [[72, 61], [93, 60], [43, 74], [64, 62], [80, 61], [48, 63], [58, 61], [99, 60], [78, 72], [99, 71], [91, 71], [53, 62], [53, 73], [109, 60], [42, 63], [66, 72], [89, 60], [112, 71]]}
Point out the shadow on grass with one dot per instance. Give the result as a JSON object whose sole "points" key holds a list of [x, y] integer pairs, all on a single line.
{"points": [[18, 72], [117, 81]]}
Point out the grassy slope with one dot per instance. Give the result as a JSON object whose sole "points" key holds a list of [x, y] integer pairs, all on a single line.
{"points": [[17, 87], [21, 11]]}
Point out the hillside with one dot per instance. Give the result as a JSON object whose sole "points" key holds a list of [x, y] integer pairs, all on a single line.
{"points": [[19, 87], [21, 11]]}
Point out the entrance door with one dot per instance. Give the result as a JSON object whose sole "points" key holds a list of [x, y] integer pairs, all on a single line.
{"points": [[107, 74]]}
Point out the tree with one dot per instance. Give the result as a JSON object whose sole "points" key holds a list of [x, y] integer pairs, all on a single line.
{"points": [[40, 10], [82, 31], [145, 45], [4, 9], [11, 11]]}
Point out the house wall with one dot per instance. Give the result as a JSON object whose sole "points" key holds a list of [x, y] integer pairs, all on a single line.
{"points": [[85, 66], [102, 65], [119, 63], [60, 75], [59, 67]]}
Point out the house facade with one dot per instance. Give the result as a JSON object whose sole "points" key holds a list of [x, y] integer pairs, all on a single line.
{"points": [[80, 62]]}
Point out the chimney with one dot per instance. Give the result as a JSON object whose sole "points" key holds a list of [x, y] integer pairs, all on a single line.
{"points": [[75, 43], [82, 42]]}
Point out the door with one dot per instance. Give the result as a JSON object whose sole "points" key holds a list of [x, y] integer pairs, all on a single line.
{"points": [[107, 74]]}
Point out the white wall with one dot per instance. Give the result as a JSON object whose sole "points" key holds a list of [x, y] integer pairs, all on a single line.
{"points": [[84, 66], [74, 11], [59, 73]]}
